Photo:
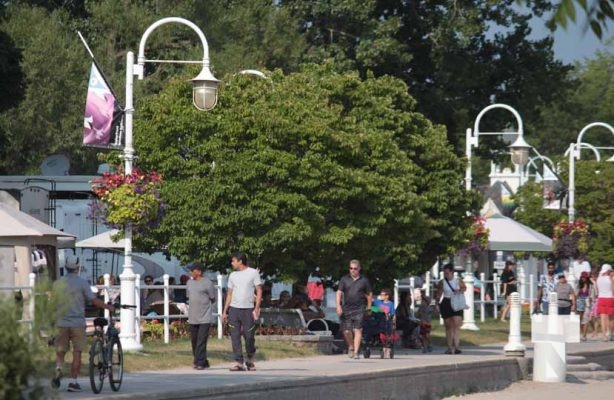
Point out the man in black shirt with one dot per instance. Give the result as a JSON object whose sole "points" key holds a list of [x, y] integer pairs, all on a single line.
{"points": [[357, 298]]}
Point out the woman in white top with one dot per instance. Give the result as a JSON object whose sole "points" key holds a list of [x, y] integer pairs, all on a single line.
{"points": [[452, 319], [605, 301]]}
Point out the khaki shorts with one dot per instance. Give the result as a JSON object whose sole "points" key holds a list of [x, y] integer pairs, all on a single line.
{"points": [[76, 336]]}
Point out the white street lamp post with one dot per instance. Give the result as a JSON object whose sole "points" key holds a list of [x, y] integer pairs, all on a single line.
{"points": [[204, 98], [574, 154], [520, 156]]}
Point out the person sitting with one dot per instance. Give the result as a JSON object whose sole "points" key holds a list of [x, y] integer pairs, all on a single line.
{"points": [[406, 320], [284, 299], [267, 301]]}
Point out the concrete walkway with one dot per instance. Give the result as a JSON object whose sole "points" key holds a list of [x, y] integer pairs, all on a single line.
{"points": [[409, 375]]}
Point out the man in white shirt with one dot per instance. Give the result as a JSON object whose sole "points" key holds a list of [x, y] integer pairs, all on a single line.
{"points": [[242, 309]]}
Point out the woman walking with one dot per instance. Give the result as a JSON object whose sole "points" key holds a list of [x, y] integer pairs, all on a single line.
{"points": [[448, 286], [508, 279], [605, 301], [584, 296]]}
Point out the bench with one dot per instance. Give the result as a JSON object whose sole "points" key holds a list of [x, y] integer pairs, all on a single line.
{"points": [[293, 320]]}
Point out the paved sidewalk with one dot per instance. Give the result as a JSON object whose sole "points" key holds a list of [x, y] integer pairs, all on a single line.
{"points": [[219, 382]]}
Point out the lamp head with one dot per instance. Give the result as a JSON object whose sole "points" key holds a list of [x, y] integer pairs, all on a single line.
{"points": [[520, 151], [204, 92]]}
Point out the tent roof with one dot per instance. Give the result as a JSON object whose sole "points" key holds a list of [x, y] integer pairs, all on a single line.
{"points": [[510, 235], [17, 226], [102, 241]]}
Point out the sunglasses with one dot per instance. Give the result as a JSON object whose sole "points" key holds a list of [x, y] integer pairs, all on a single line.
{"points": [[148, 281], [353, 268]]}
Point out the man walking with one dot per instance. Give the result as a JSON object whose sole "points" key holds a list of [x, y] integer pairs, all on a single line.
{"points": [[242, 309], [71, 292], [201, 294], [357, 299]]}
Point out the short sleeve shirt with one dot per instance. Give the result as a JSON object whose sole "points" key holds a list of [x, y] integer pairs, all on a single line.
{"points": [[72, 292], [243, 284], [201, 294], [354, 292]]}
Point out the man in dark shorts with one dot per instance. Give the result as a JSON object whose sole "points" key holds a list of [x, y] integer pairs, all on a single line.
{"points": [[357, 298]]}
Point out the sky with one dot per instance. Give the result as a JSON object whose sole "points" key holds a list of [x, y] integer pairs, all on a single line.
{"points": [[573, 43]]}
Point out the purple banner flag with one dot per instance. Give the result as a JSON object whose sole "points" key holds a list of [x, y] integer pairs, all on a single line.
{"points": [[103, 114]]}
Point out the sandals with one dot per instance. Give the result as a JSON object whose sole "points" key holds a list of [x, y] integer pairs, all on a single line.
{"points": [[238, 368]]}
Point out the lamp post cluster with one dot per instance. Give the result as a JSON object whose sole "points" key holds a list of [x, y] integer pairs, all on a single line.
{"points": [[520, 156]]}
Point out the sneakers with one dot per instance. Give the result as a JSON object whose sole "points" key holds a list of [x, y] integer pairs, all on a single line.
{"points": [[57, 376], [351, 352], [74, 387]]}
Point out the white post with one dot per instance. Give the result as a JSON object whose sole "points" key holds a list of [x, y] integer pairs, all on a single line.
{"points": [[440, 279], [427, 281], [411, 293], [137, 310], [522, 281], [514, 346], [531, 292], [107, 285], [469, 312], [396, 293], [220, 300], [32, 303], [550, 353], [166, 310], [495, 294], [469, 140], [571, 192], [483, 297], [127, 277]]}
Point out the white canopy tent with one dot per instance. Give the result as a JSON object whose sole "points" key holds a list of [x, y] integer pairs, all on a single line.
{"points": [[507, 234], [155, 264]]}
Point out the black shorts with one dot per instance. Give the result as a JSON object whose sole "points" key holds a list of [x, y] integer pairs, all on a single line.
{"points": [[446, 311], [352, 319]]}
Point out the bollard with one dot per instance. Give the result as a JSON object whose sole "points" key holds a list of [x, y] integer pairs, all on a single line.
{"points": [[514, 346], [549, 359]]}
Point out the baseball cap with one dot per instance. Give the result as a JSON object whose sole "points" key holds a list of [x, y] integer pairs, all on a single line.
{"points": [[72, 262]]}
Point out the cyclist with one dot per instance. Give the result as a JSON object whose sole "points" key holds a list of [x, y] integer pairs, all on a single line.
{"points": [[71, 292]]}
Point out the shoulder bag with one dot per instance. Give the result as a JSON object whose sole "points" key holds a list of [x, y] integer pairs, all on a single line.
{"points": [[457, 300]]}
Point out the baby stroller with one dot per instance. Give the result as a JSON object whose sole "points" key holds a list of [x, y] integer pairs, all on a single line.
{"points": [[378, 332]]}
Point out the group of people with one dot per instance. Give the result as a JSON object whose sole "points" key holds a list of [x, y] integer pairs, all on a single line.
{"points": [[592, 298]]}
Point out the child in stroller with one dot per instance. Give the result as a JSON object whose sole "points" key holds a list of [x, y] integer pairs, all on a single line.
{"points": [[379, 330]]}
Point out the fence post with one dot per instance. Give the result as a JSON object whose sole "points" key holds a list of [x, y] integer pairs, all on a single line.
{"points": [[107, 285], [495, 294], [411, 293], [396, 293], [220, 301], [137, 311], [427, 281], [522, 280], [165, 277], [31, 303], [483, 297], [531, 293]]}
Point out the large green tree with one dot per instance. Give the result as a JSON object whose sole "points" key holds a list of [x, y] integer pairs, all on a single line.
{"points": [[310, 168], [456, 57]]}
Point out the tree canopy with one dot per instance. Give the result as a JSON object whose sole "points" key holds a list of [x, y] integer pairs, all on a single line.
{"points": [[310, 168]]}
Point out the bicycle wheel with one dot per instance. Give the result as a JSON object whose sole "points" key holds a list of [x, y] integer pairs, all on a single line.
{"points": [[97, 367], [116, 358]]}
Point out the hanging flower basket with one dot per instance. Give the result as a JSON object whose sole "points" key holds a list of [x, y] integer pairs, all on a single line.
{"points": [[128, 199], [571, 238], [479, 238]]}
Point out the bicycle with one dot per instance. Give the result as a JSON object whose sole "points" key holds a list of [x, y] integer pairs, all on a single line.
{"points": [[106, 356]]}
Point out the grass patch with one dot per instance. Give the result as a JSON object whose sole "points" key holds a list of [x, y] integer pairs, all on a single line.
{"points": [[491, 331]]}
